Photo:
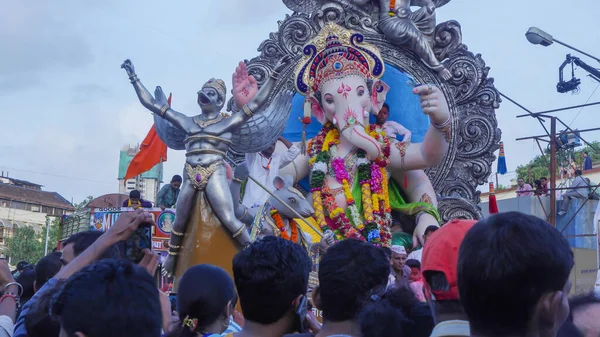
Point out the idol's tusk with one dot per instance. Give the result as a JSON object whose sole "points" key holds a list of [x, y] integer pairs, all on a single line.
{"points": [[286, 205]]}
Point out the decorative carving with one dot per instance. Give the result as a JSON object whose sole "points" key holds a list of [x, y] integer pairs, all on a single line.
{"points": [[471, 94]]}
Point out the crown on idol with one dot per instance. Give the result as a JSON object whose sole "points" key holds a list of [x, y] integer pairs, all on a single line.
{"points": [[336, 53], [217, 84]]}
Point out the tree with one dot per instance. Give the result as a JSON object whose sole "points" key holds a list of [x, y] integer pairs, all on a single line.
{"points": [[538, 167], [80, 206], [26, 244]]}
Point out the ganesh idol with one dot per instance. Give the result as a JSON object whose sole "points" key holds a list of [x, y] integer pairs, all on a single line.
{"points": [[358, 174]]}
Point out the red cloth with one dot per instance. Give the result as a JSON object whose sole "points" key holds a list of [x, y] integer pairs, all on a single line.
{"points": [[152, 151], [441, 254], [492, 205]]}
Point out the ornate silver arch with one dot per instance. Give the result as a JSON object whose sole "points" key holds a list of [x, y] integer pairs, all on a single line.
{"points": [[470, 93]]}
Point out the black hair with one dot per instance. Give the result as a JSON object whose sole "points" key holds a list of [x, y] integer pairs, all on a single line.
{"points": [[82, 240], [22, 264], [38, 322], [412, 263], [271, 273], [510, 259], [349, 273], [176, 178], [543, 178], [203, 294], [430, 229], [578, 172], [109, 298], [135, 194], [26, 279], [398, 313], [46, 268], [385, 105]]}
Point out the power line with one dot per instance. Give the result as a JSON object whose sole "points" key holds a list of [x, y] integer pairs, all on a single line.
{"points": [[57, 175], [586, 102]]}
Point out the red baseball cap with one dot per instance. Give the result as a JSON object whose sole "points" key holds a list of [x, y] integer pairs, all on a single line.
{"points": [[441, 254]]}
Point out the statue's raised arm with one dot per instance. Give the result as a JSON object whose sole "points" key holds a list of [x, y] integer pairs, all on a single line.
{"points": [[157, 104]]}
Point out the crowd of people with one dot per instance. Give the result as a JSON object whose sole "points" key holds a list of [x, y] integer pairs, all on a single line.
{"points": [[506, 275]]}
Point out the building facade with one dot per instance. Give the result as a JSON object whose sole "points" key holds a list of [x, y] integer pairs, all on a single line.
{"points": [[148, 183], [23, 203]]}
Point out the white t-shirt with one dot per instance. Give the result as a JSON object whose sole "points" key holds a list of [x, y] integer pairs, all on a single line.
{"points": [[416, 254], [265, 170]]}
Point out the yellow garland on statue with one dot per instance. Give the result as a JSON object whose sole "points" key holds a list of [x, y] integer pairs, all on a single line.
{"points": [[332, 138], [375, 198], [386, 194], [318, 206], [366, 200], [347, 191]]}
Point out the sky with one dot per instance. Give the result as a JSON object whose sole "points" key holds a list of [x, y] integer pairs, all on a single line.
{"points": [[68, 108]]}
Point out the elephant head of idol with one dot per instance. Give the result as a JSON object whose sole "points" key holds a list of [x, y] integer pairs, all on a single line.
{"points": [[339, 76]]}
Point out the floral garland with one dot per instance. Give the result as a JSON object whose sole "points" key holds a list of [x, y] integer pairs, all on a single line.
{"points": [[374, 224], [281, 226]]}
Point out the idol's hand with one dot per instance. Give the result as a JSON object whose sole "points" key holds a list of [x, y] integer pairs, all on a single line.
{"points": [[169, 265], [282, 64], [160, 97], [245, 86], [433, 103], [128, 66]]}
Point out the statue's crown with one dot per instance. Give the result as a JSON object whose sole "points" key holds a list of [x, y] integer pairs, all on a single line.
{"points": [[218, 85], [336, 53]]}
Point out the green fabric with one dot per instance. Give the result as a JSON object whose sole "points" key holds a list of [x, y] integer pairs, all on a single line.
{"points": [[396, 201], [402, 239]]}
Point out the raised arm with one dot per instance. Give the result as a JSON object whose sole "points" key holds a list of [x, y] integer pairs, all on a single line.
{"points": [[247, 97], [157, 104]]}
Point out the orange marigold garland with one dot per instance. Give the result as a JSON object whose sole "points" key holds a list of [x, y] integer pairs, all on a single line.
{"points": [[283, 233]]}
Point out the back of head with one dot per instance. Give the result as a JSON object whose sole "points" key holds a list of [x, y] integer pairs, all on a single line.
{"points": [[135, 194], [38, 322], [269, 275], [109, 298], [204, 293], [512, 260], [46, 268], [349, 274], [26, 280], [22, 264], [440, 255], [82, 240], [578, 172]]}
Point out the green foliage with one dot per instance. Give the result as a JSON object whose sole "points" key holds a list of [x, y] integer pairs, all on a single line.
{"points": [[502, 187], [79, 206], [28, 245], [538, 167]]}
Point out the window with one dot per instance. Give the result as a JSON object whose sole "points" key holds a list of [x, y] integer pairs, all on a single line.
{"points": [[4, 204], [35, 208]]}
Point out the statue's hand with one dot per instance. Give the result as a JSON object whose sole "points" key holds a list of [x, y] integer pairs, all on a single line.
{"points": [[282, 64], [245, 86], [128, 66], [160, 97], [327, 241], [424, 221], [241, 171], [433, 103], [169, 265]]}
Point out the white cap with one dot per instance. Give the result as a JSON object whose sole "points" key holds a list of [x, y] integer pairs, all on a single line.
{"points": [[399, 250]]}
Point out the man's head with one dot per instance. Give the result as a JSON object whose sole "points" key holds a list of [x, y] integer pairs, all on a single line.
{"points": [[398, 258], [438, 266], [428, 231], [272, 273], [38, 321], [578, 173], [77, 243], [22, 265], [521, 264], [415, 270], [109, 298], [27, 280], [383, 114], [521, 182], [135, 196], [46, 268], [211, 97], [176, 181], [268, 152], [544, 180], [585, 154], [350, 273]]}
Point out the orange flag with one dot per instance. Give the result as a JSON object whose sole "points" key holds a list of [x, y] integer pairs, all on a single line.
{"points": [[152, 151]]}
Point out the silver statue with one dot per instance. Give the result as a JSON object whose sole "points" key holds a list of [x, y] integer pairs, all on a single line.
{"points": [[416, 30], [207, 138]]}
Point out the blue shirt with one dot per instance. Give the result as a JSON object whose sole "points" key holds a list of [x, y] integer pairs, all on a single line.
{"points": [[167, 196]]}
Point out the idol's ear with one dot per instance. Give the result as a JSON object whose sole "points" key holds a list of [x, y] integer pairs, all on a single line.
{"points": [[379, 92], [317, 111], [278, 182]]}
